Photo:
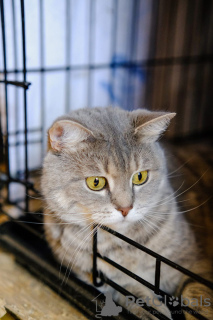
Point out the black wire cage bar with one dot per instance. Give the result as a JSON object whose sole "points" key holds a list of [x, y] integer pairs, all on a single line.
{"points": [[24, 85], [156, 287], [24, 236]]}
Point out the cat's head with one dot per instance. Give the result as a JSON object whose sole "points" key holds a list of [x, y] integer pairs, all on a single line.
{"points": [[104, 165]]}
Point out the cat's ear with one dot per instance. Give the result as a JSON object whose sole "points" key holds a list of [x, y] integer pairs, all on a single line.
{"points": [[150, 125], [67, 134]]}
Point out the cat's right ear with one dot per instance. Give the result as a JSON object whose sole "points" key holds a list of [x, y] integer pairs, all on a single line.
{"points": [[67, 134]]}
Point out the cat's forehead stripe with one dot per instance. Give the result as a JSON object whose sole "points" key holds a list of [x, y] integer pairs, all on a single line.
{"points": [[106, 165], [136, 159], [120, 162], [120, 154]]}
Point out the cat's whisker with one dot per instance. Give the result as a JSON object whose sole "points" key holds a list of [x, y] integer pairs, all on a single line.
{"points": [[84, 240], [171, 196], [78, 250], [163, 217], [67, 212], [178, 212], [179, 201], [59, 222], [35, 198], [184, 211], [184, 200], [187, 161], [175, 176], [49, 214], [146, 224], [75, 235], [86, 228], [154, 225], [158, 218], [191, 185], [43, 223], [194, 208], [35, 213]]}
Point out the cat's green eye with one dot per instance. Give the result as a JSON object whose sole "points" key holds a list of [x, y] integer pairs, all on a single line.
{"points": [[96, 183], [140, 177]]}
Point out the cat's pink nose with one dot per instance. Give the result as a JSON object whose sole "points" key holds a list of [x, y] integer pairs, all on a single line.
{"points": [[125, 211]]}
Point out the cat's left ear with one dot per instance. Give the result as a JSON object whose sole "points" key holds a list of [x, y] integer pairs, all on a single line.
{"points": [[150, 125]]}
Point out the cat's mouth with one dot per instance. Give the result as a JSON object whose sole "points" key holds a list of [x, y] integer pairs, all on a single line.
{"points": [[111, 218], [107, 217]]}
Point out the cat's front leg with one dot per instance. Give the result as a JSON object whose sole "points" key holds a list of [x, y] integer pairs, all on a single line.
{"points": [[198, 298], [196, 295], [144, 296]]}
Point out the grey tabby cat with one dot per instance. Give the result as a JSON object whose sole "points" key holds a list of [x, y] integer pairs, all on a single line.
{"points": [[105, 166]]}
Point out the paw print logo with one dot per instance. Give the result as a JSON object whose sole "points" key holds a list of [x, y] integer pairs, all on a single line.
{"points": [[173, 301]]}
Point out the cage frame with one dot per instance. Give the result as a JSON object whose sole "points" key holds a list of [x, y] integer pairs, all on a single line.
{"points": [[9, 240]]}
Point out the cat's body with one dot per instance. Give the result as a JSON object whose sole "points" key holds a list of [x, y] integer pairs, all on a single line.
{"points": [[116, 145]]}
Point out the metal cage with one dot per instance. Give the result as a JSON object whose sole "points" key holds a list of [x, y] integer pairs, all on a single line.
{"points": [[165, 60]]}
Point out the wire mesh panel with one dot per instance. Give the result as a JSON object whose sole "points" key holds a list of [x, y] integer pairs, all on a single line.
{"points": [[153, 287]]}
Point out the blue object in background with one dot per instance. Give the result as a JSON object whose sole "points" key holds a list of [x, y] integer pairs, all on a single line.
{"points": [[121, 88]]}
